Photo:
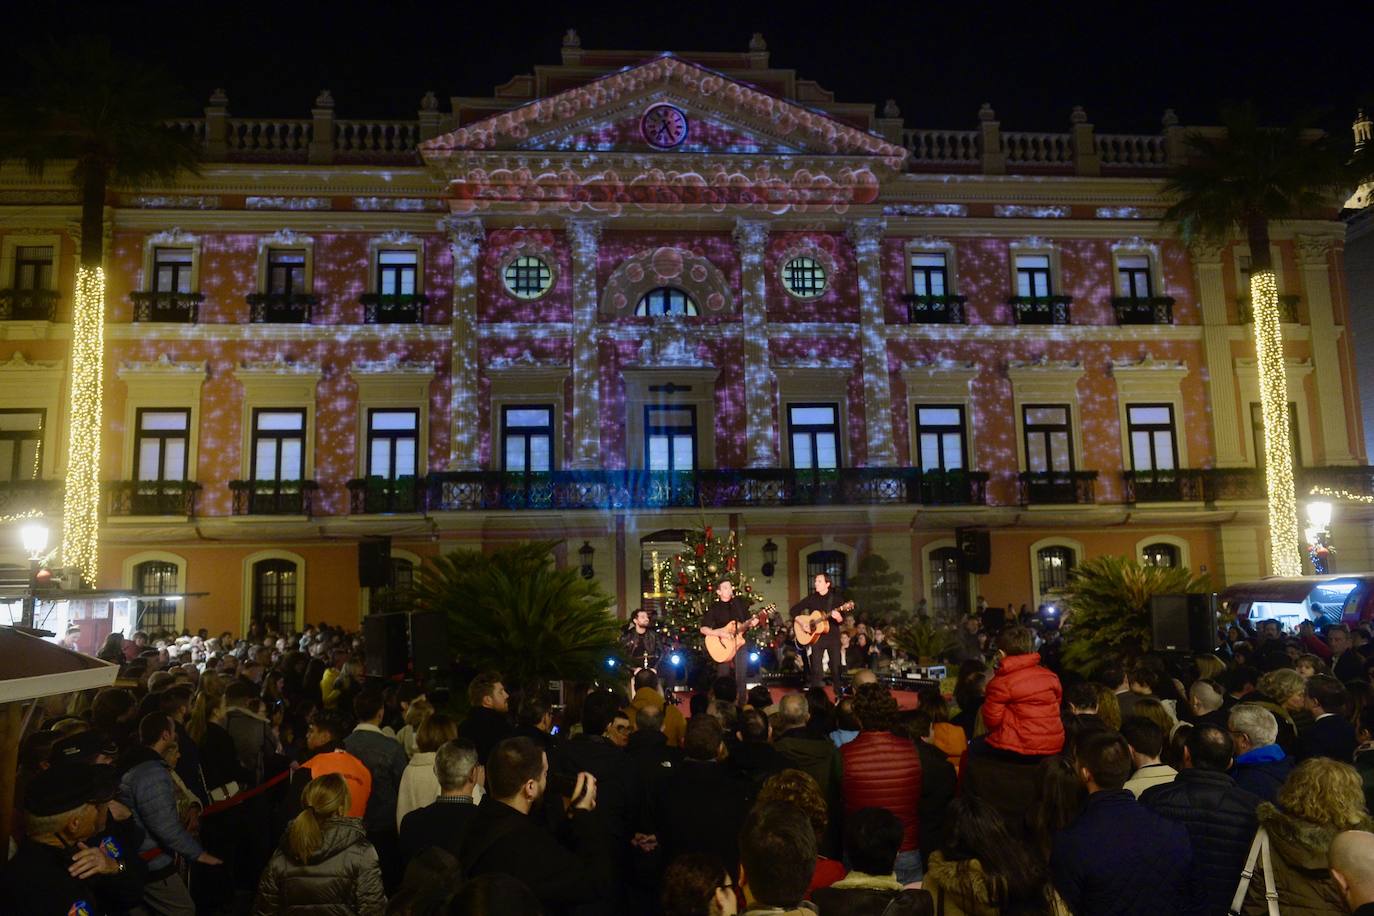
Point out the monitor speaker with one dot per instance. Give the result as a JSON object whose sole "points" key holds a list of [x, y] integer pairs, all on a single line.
{"points": [[1182, 623], [429, 642], [975, 547], [384, 644], [374, 562]]}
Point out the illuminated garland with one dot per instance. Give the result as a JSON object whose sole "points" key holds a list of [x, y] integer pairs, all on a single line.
{"points": [[21, 516], [1278, 466], [1343, 495], [81, 508]]}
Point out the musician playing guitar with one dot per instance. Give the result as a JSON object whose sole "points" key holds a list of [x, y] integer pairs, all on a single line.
{"points": [[645, 648], [826, 600], [726, 609]]}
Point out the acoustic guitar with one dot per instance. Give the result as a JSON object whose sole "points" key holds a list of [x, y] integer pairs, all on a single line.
{"points": [[807, 628], [723, 648]]}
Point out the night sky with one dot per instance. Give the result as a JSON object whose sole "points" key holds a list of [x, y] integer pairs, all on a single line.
{"points": [[1125, 62]]}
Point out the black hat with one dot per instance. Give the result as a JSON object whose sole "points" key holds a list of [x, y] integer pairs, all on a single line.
{"points": [[68, 786], [83, 747]]}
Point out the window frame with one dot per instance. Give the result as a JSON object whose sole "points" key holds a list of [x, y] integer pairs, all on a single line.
{"points": [[1172, 427], [279, 565], [651, 429], [1130, 274], [813, 430], [149, 599], [1040, 554], [272, 264], [1027, 428], [140, 435], [928, 271], [1032, 272], [255, 435], [392, 437], [544, 270], [1176, 555], [944, 554], [941, 430], [20, 263], [834, 563], [380, 271], [179, 268], [814, 265], [690, 308], [527, 433], [21, 436]]}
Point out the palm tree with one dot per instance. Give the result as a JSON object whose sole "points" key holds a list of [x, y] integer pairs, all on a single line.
{"points": [[1247, 178], [103, 119]]}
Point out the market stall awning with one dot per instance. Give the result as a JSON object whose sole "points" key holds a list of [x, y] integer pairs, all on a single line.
{"points": [[31, 667], [1284, 589]]}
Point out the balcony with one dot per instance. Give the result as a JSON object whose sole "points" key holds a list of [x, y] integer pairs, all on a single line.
{"points": [[1040, 309], [281, 308], [755, 487], [1057, 487], [31, 497], [159, 305], [1180, 485], [1288, 309], [935, 309], [28, 304], [1143, 309], [378, 495], [274, 497], [151, 497], [380, 309]]}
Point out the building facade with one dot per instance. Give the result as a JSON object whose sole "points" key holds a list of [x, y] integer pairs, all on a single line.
{"points": [[631, 294]]}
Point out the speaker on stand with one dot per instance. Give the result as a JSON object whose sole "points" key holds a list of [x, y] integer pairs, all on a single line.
{"points": [[1183, 623], [385, 649]]}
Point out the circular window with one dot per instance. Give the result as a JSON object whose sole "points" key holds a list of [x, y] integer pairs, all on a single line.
{"points": [[528, 277], [804, 277], [666, 300]]}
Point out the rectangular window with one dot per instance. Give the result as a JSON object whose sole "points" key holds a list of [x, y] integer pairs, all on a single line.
{"points": [[393, 440], [670, 438], [1133, 276], [1257, 432], [21, 444], [285, 271], [160, 443], [33, 267], [397, 270], [172, 270], [928, 274], [278, 444], [1049, 445], [1033, 275], [940, 437], [527, 438], [1153, 443], [814, 430]]}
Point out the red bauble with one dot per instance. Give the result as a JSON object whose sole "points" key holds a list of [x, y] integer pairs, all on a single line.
{"points": [[708, 532], [730, 563], [681, 593], [701, 550], [43, 576]]}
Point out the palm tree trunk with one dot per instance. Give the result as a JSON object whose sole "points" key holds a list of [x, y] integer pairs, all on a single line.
{"points": [[93, 187], [1285, 557]]}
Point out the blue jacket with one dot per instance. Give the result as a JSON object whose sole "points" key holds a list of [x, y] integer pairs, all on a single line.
{"points": [[1119, 858], [146, 788], [386, 761], [1262, 770]]}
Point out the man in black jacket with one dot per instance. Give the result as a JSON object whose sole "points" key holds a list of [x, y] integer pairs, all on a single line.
{"points": [[563, 870], [1330, 734], [703, 801], [1219, 815], [753, 757], [649, 750], [487, 723], [445, 821]]}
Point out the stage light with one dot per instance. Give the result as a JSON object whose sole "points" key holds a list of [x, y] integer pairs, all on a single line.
{"points": [[610, 663], [753, 658], [675, 659]]}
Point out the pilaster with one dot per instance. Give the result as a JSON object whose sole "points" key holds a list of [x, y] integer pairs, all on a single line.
{"points": [[751, 237], [1315, 262], [465, 241], [866, 237], [584, 236], [1216, 336]]}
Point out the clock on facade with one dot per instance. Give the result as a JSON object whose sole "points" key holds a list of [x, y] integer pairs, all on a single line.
{"points": [[664, 126]]}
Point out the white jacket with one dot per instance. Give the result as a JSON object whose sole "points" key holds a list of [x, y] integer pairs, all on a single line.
{"points": [[419, 785]]}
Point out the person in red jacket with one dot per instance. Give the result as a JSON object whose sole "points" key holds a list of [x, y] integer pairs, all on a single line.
{"points": [[1021, 710], [882, 770]]}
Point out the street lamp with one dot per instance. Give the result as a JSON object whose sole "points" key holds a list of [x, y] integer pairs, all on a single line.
{"points": [[585, 553], [34, 537], [1318, 536], [770, 558]]}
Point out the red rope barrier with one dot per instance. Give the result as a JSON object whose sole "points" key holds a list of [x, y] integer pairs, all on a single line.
{"points": [[242, 797]]}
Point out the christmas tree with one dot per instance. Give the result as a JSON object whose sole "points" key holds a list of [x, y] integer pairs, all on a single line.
{"points": [[690, 580]]}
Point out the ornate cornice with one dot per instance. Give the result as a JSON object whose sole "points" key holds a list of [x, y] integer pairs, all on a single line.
{"points": [[276, 367], [18, 362], [164, 365]]}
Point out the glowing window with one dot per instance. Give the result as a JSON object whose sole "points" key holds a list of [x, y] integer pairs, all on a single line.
{"points": [[527, 438], [948, 584], [528, 277], [285, 271], [1151, 429], [274, 595], [33, 267], [160, 444], [940, 437], [278, 445], [156, 615], [1160, 555], [804, 277], [172, 270], [666, 300], [1055, 564], [1033, 275], [929, 274], [815, 435], [1133, 276], [1048, 442], [392, 442], [670, 437], [397, 271]]}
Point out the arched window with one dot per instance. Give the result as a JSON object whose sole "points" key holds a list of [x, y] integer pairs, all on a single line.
{"points": [[948, 584], [832, 562], [666, 300], [396, 596], [1160, 555], [155, 615], [274, 595], [1054, 563], [655, 551]]}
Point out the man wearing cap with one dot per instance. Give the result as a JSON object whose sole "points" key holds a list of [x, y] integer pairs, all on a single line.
{"points": [[59, 868]]}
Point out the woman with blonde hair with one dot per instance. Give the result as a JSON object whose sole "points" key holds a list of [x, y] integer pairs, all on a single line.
{"points": [[1320, 799], [1154, 710], [324, 863], [419, 782], [415, 715], [1108, 707], [1209, 667]]}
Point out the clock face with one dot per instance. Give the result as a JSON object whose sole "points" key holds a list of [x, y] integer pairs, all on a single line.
{"points": [[664, 126]]}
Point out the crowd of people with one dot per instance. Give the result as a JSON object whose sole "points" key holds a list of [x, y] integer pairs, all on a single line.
{"points": [[271, 775]]}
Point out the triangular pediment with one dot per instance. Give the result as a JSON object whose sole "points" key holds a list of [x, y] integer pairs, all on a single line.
{"points": [[724, 116]]}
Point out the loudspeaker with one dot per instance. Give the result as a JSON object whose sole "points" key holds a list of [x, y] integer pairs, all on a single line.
{"points": [[1182, 623], [428, 641], [975, 546], [384, 644], [374, 562]]}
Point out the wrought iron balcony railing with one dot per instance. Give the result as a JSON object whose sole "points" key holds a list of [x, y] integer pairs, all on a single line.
{"points": [[380, 309], [274, 497], [28, 304], [281, 308], [936, 309], [1211, 485], [151, 497], [1057, 487], [1143, 309], [374, 495], [1288, 309], [160, 305], [1040, 309], [31, 497]]}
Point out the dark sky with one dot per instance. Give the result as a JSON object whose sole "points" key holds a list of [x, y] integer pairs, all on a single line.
{"points": [[1033, 60]]}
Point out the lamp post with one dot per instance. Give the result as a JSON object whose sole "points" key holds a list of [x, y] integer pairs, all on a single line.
{"points": [[34, 537], [1318, 536], [770, 559], [586, 552]]}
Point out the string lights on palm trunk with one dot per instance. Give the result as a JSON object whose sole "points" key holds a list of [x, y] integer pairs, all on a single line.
{"points": [[1285, 558], [81, 505]]}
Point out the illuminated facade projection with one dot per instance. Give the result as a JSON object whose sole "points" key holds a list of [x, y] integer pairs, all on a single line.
{"points": [[636, 293]]}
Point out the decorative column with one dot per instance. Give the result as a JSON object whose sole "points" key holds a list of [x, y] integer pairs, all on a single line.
{"points": [[1221, 375], [584, 235], [465, 237], [866, 237], [1314, 256], [751, 237]]}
